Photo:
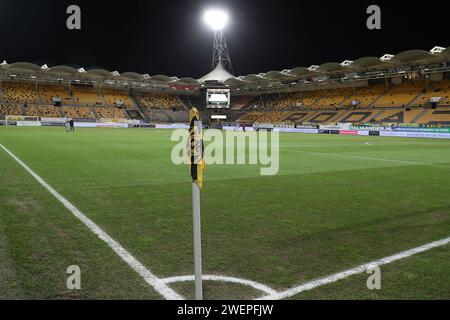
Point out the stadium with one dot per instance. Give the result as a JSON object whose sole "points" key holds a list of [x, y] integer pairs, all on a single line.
{"points": [[410, 89], [362, 187]]}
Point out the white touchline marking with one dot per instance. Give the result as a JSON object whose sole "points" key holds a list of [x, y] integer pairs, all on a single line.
{"points": [[370, 158], [255, 285], [356, 270], [146, 274]]}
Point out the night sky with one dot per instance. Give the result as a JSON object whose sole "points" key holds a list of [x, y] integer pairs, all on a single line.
{"points": [[169, 37]]}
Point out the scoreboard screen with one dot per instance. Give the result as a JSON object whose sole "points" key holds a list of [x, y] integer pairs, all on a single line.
{"points": [[218, 98]]}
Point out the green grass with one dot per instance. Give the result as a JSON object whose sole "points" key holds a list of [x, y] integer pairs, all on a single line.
{"points": [[337, 201]]}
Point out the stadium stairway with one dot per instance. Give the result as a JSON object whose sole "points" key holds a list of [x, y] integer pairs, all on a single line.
{"points": [[135, 114], [193, 101], [23, 110], [416, 98], [135, 108], [375, 115], [419, 116], [144, 116], [94, 112], [60, 112], [2, 97], [133, 101], [39, 98], [371, 105]]}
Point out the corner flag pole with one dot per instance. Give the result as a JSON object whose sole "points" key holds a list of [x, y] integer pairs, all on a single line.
{"points": [[197, 165], [197, 241]]}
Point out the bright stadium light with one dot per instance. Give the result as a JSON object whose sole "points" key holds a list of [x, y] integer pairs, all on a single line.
{"points": [[216, 19]]}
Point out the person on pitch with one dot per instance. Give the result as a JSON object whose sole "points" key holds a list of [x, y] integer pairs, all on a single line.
{"points": [[72, 126], [67, 125]]}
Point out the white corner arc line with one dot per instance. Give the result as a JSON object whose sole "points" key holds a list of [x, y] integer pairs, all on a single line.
{"points": [[258, 286], [146, 274], [356, 270]]}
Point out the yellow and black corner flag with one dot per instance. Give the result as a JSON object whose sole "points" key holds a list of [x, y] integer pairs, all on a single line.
{"points": [[196, 147]]}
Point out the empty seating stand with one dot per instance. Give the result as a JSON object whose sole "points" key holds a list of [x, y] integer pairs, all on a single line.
{"points": [[78, 112], [48, 92], [440, 89], [20, 92], [110, 113], [9, 109], [43, 111], [400, 95], [86, 95]]}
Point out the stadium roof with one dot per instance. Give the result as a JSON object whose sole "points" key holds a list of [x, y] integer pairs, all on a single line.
{"points": [[367, 62], [364, 64], [299, 71], [218, 74]]}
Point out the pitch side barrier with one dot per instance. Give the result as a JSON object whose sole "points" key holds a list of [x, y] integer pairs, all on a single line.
{"points": [[344, 129], [403, 132], [24, 121]]}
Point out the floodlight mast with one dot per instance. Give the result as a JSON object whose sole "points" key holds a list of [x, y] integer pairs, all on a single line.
{"points": [[217, 20], [220, 52]]}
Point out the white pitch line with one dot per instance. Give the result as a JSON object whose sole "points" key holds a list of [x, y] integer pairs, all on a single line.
{"points": [[356, 270], [146, 274], [255, 285], [370, 158]]}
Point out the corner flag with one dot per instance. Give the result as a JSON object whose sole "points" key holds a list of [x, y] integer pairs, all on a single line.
{"points": [[196, 147], [197, 165]]}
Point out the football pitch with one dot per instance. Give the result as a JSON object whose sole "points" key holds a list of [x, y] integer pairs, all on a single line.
{"points": [[337, 202]]}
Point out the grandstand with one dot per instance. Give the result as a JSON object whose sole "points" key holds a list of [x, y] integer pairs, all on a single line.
{"points": [[345, 104], [402, 103], [22, 92], [43, 111], [10, 109], [436, 89], [400, 95], [363, 97], [110, 113], [116, 97], [404, 89], [333, 98], [439, 116], [56, 101], [86, 95], [48, 92], [162, 101], [78, 112]]}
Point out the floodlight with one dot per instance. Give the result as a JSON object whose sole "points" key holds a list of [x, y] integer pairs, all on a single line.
{"points": [[216, 19]]}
